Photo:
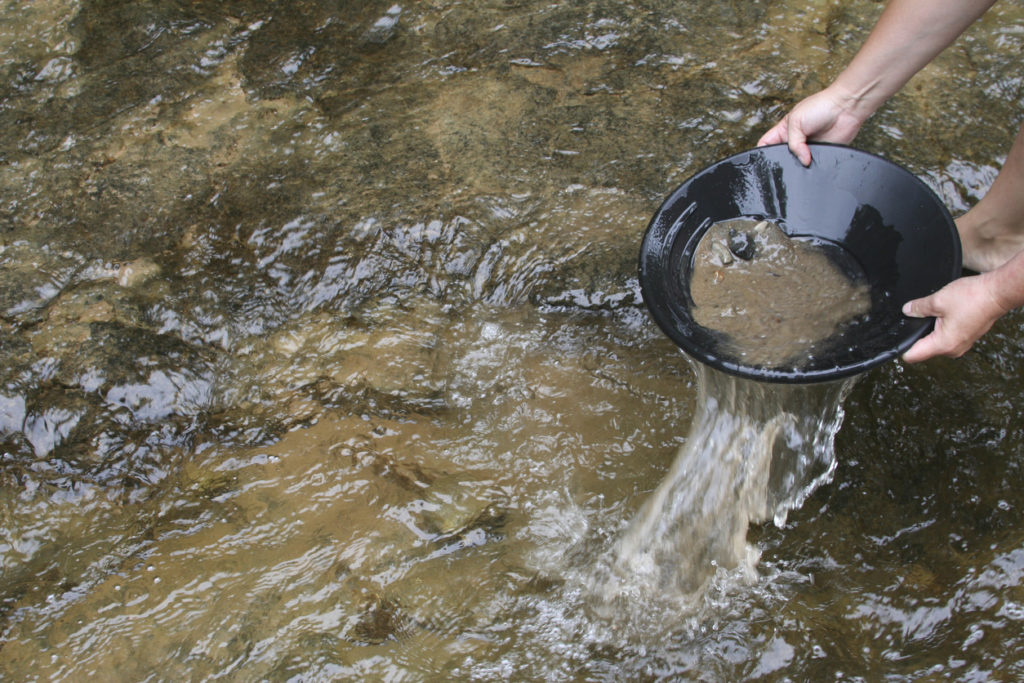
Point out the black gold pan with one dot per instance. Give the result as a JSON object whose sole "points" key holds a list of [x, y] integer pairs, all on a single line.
{"points": [[881, 214]]}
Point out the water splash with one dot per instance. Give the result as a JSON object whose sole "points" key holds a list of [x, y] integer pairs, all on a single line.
{"points": [[755, 451]]}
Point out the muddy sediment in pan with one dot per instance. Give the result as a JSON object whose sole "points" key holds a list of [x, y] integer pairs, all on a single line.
{"points": [[776, 299]]}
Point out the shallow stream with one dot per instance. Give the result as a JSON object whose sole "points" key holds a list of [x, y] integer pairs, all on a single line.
{"points": [[322, 355]]}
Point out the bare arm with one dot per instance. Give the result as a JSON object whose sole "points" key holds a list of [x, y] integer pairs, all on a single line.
{"points": [[908, 35]]}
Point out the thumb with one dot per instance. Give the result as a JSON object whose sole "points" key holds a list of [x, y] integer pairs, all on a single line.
{"points": [[927, 346], [920, 308]]}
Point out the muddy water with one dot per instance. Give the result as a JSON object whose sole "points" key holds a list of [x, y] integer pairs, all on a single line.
{"points": [[777, 300], [321, 352]]}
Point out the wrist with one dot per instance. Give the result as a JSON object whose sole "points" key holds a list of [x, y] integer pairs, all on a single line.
{"points": [[1005, 284], [857, 100]]}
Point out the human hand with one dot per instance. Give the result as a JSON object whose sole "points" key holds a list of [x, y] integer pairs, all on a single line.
{"points": [[824, 116], [964, 310]]}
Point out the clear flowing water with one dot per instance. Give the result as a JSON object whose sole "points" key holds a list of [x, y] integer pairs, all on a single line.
{"points": [[322, 355]]}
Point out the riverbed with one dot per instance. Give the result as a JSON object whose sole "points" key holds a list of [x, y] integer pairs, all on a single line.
{"points": [[322, 352]]}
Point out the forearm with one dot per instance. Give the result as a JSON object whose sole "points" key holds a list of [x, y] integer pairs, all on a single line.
{"points": [[909, 34], [1006, 283]]}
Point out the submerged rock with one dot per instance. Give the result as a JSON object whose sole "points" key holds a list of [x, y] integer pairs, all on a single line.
{"points": [[457, 503], [382, 620]]}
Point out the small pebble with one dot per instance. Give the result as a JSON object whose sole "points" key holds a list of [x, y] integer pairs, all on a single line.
{"points": [[741, 244], [721, 252]]}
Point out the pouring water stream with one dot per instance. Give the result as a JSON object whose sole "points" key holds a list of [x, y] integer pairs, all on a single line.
{"points": [[754, 452]]}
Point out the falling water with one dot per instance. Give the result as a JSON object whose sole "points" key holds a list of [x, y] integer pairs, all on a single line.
{"points": [[754, 452]]}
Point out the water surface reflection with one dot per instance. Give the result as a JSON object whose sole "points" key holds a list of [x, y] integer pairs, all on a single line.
{"points": [[321, 352]]}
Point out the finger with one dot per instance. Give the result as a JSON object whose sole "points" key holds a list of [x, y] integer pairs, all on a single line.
{"points": [[803, 153], [923, 349], [775, 135], [920, 308], [938, 343], [798, 145], [926, 347]]}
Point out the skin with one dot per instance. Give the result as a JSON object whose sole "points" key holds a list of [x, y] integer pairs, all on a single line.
{"points": [[993, 231], [965, 309], [908, 35]]}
